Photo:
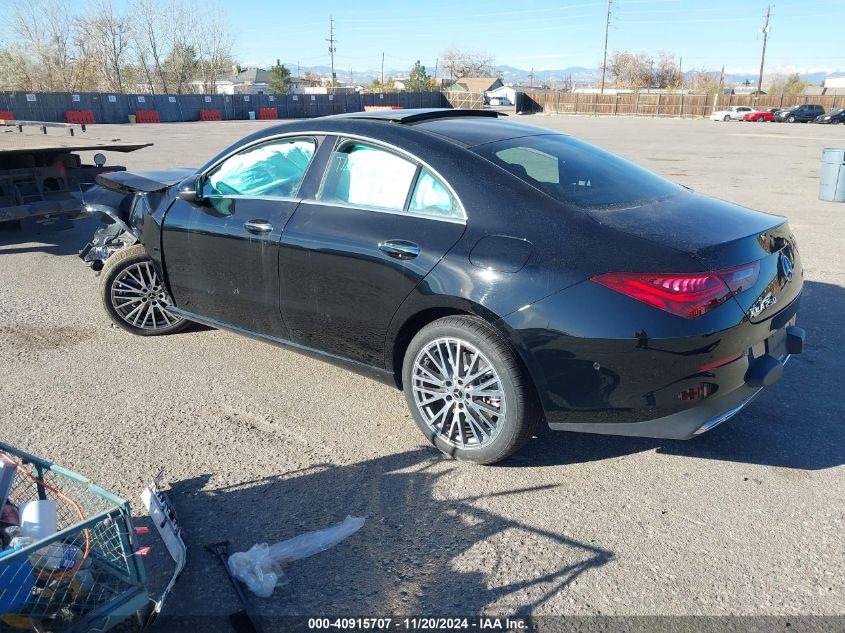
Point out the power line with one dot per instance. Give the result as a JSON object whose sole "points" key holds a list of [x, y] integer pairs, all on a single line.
{"points": [[604, 60], [766, 29]]}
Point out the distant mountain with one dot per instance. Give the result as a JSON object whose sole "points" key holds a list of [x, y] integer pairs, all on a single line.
{"points": [[577, 74], [512, 74]]}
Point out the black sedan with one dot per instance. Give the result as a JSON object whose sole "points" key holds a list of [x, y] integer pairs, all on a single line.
{"points": [[834, 117], [501, 274]]}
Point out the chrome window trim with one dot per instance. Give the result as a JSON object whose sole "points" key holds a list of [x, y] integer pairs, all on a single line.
{"points": [[402, 213], [351, 136], [307, 136]]}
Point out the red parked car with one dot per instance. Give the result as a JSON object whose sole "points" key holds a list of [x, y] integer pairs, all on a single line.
{"points": [[761, 115]]}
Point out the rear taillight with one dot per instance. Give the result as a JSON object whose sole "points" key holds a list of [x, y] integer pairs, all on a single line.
{"points": [[688, 295]]}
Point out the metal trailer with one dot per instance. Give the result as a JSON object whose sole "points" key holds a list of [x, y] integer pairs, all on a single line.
{"points": [[42, 176]]}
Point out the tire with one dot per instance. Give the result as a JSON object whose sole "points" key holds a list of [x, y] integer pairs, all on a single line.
{"points": [[122, 291], [790, 119], [727, 117], [484, 429]]}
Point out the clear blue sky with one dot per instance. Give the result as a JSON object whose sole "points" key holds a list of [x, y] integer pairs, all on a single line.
{"points": [[806, 35]]}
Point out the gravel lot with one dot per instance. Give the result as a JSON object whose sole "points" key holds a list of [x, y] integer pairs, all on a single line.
{"points": [[261, 444]]}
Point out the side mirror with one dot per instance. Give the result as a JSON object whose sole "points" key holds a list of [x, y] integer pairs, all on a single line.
{"points": [[191, 190]]}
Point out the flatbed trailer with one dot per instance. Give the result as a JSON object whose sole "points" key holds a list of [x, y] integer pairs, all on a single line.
{"points": [[41, 175]]}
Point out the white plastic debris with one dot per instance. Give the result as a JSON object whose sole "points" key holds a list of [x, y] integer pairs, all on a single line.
{"points": [[260, 568]]}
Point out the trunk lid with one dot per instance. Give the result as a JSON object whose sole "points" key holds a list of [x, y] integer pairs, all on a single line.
{"points": [[721, 235]]}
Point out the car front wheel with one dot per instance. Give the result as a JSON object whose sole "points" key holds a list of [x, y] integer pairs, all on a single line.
{"points": [[727, 117], [467, 390], [790, 119], [135, 297]]}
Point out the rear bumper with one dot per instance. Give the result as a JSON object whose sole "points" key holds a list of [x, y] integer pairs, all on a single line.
{"points": [[683, 425], [763, 371]]}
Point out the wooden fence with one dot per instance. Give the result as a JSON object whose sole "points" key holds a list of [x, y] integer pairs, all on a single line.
{"points": [[468, 100], [651, 104]]}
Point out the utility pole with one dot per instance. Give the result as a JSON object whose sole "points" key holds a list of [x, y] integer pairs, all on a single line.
{"points": [[436, 64], [531, 77], [351, 83], [604, 60], [332, 41], [382, 68], [298, 73], [763, 56], [721, 88]]}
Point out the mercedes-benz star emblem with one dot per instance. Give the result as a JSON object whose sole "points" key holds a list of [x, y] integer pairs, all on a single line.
{"points": [[786, 267]]}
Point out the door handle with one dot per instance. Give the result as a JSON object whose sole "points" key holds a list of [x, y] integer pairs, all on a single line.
{"points": [[258, 226], [399, 249]]}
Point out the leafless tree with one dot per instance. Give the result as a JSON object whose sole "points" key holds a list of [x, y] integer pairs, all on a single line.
{"points": [[630, 70], [467, 63], [150, 36], [45, 28], [704, 82], [667, 73], [164, 45], [109, 34], [214, 46], [16, 69]]}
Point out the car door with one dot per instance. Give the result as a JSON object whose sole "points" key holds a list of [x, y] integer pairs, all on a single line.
{"points": [[380, 221], [221, 253]]}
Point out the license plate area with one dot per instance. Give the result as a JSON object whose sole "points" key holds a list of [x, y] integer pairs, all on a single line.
{"points": [[775, 345]]}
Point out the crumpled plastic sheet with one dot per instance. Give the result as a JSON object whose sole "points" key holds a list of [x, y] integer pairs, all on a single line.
{"points": [[261, 567]]}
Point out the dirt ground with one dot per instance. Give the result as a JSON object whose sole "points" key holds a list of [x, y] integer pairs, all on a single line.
{"points": [[261, 444]]}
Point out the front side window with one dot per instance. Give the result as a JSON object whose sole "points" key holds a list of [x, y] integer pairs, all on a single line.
{"points": [[365, 175], [273, 169], [575, 172]]}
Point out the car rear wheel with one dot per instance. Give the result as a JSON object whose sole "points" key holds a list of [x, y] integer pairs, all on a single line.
{"points": [[135, 297], [467, 390]]}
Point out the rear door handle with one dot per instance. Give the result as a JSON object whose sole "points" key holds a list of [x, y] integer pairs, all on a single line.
{"points": [[399, 249], [258, 226]]}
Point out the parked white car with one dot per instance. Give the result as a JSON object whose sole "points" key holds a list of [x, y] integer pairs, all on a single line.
{"points": [[731, 113]]}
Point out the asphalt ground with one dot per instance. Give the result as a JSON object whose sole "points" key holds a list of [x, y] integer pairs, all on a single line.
{"points": [[261, 444]]}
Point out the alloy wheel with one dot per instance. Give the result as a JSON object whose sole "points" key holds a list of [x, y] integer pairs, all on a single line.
{"points": [[459, 393], [139, 298]]}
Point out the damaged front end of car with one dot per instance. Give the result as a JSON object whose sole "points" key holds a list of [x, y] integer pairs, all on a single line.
{"points": [[109, 238], [124, 200]]}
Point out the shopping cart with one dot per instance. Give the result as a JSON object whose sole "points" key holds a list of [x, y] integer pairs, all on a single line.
{"points": [[84, 577]]}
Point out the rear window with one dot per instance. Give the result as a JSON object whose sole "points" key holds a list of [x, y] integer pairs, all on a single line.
{"points": [[575, 172]]}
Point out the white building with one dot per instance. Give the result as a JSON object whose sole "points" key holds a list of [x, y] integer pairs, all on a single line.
{"points": [[501, 93]]}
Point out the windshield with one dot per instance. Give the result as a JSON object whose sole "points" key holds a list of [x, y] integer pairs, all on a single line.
{"points": [[575, 172]]}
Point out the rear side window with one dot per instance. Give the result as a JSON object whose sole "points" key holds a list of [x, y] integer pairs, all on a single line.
{"points": [[576, 172], [432, 197], [273, 169]]}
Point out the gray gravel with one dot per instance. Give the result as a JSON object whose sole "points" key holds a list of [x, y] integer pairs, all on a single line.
{"points": [[261, 444]]}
